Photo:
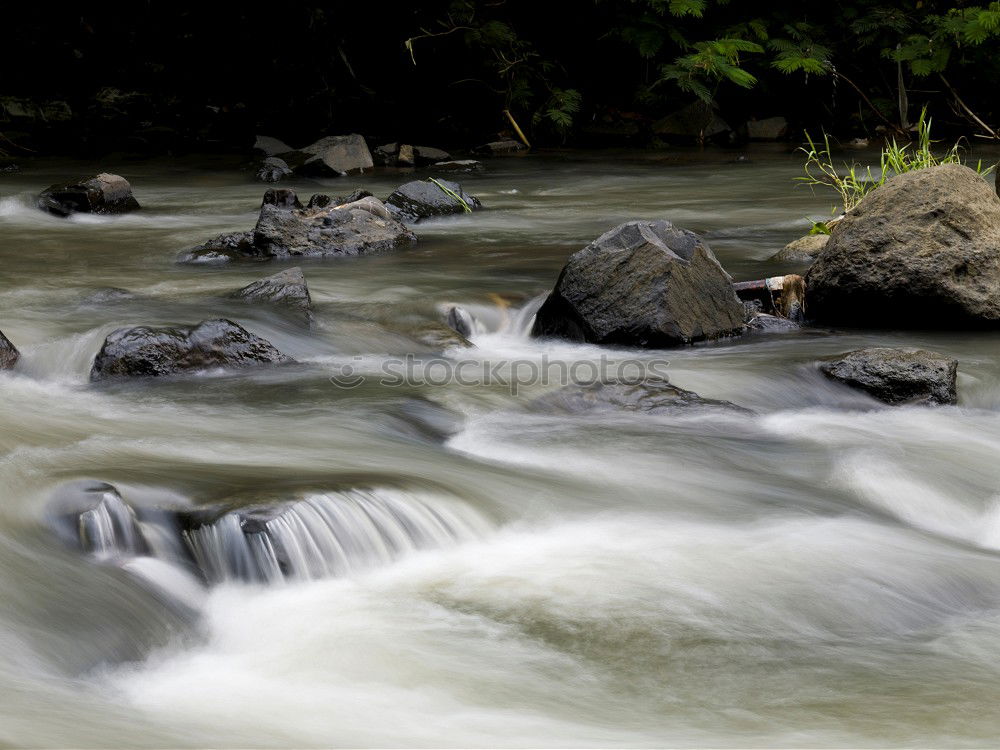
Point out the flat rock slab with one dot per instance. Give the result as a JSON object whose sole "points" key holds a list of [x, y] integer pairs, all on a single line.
{"points": [[897, 376], [144, 351], [322, 228]]}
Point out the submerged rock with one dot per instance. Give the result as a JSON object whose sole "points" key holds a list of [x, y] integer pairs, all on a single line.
{"points": [[336, 155], [144, 351], [108, 295], [422, 199], [644, 283], [648, 396], [102, 194], [803, 249], [286, 289], [460, 165], [323, 228], [8, 353], [273, 169], [897, 376], [923, 250], [505, 147], [760, 322]]}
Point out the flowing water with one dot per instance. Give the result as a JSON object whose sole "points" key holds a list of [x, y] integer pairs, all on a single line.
{"points": [[427, 563]]}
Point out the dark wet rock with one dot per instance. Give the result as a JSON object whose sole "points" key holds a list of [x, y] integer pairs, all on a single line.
{"points": [[102, 194], [107, 295], [649, 396], [285, 289], [144, 351], [768, 129], [429, 155], [697, 121], [644, 283], [273, 169], [759, 322], [323, 228], [8, 353], [406, 157], [897, 376], [803, 249], [269, 146], [385, 155], [505, 147], [923, 250], [460, 320], [336, 155], [460, 165], [422, 199]]}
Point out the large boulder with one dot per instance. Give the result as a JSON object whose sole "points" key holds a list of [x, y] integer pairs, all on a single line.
{"points": [[897, 376], [144, 351], [103, 194], [768, 129], [923, 250], [269, 146], [323, 228], [286, 289], [802, 250], [422, 199], [8, 353], [653, 396], [697, 121], [336, 155], [644, 283]]}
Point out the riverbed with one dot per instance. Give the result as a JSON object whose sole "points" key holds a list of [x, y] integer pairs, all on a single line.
{"points": [[818, 571]]}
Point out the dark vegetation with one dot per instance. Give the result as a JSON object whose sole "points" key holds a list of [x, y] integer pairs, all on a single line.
{"points": [[166, 76]]}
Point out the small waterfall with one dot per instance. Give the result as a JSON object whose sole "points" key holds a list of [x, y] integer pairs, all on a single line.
{"points": [[328, 535], [318, 536], [475, 319], [523, 318], [110, 529]]}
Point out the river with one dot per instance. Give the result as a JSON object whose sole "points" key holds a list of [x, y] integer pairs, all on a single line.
{"points": [[819, 572]]}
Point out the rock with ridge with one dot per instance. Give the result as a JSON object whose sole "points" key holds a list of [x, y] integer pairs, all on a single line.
{"points": [[802, 250], [322, 228], [923, 250], [897, 376], [644, 283], [286, 289], [273, 169], [422, 199], [8, 353], [336, 155], [145, 351], [103, 194], [652, 396], [269, 146]]}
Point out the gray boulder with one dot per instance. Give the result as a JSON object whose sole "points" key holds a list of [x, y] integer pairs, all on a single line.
{"points": [[697, 121], [322, 228], [923, 250], [644, 283], [269, 146], [803, 249], [422, 199], [144, 351], [336, 155], [768, 129], [103, 194], [273, 169], [897, 376], [648, 396], [8, 353], [429, 154], [285, 289]]}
